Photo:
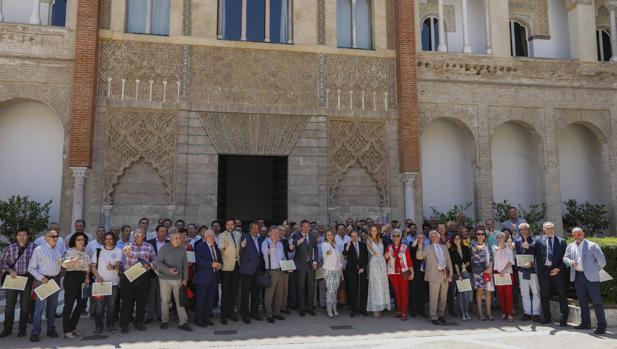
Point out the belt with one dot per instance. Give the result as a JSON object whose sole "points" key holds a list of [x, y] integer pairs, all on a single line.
{"points": [[50, 277], [275, 269]]}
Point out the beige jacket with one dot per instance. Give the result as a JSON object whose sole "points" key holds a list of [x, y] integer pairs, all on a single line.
{"points": [[431, 270], [230, 251]]}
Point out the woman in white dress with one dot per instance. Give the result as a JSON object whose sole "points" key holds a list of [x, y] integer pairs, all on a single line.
{"points": [[332, 271], [378, 290]]}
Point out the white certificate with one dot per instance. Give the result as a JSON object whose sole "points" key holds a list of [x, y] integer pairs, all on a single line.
{"points": [[463, 285], [190, 256], [46, 290], [101, 289], [522, 259], [287, 265], [604, 276], [504, 280], [18, 283], [134, 272], [319, 274]]}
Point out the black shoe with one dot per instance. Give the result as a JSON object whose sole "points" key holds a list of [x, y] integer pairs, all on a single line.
{"points": [[435, 322], [233, 317], [563, 323], [352, 314], [124, 330], [364, 313], [279, 317], [21, 333], [526, 317], [423, 315], [5, 333], [256, 318], [302, 312], [34, 338], [545, 322], [140, 327], [148, 321], [310, 312], [441, 319], [164, 325], [582, 327], [200, 324], [286, 312], [223, 321], [536, 318], [600, 330], [413, 315], [270, 320], [185, 327], [209, 323], [246, 320], [52, 334]]}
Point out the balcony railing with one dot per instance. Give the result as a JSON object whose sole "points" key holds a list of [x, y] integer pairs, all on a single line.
{"points": [[38, 12]]}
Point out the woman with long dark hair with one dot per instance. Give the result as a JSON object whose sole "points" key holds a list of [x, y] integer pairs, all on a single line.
{"points": [[77, 265]]}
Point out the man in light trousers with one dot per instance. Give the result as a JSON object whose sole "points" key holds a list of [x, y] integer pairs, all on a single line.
{"points": [[273, 253]]}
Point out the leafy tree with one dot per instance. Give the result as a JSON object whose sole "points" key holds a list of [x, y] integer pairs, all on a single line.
{"points": [[592, 218], [534, 214], [453, 214], [21, 213]]}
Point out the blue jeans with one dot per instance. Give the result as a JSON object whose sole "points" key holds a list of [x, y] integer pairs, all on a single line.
{"points": [[586, 290], [105, 309], [463, 297], [49, 304]]}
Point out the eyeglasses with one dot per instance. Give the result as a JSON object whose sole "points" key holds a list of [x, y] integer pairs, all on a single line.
{"points": [[53, 236], [480, 234], [80, 239]]}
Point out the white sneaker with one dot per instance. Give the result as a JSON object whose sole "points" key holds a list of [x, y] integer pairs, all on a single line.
{"points": [[70, 335], [77, 333]]}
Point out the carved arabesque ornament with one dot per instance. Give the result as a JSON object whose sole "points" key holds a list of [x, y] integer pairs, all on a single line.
{"points": [[132, 136], [362, 143]]}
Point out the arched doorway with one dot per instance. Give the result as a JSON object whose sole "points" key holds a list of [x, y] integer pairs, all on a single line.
{"points": [[31, 147]]}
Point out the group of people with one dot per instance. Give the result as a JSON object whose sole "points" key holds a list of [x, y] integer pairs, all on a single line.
{"points": [[191, 270]]}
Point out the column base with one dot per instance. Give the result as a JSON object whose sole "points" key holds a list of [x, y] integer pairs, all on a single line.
{"points": [[442, 48], [467, 49]]}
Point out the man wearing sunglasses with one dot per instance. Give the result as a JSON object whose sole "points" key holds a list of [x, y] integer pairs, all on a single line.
{"points": [[45, 265]]}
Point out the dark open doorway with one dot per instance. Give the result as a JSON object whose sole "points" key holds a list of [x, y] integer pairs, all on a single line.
{"points": [[252, 187]]}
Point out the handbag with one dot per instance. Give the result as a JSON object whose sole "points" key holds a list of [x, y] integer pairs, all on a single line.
{"points": [[187, 297], [263, 276]]}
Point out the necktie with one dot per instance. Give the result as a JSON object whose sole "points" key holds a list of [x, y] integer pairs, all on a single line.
{"points": [[212, 253], [357, 249], [308, 258], [550, 250], [440, 258], [233, 238]]}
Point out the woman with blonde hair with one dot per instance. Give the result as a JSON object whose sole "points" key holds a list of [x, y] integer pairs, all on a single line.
{"points": [[332, 264], [378, 290]]}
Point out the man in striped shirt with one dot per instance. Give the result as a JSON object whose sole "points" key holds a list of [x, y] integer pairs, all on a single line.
{"points": [[45, 265]]}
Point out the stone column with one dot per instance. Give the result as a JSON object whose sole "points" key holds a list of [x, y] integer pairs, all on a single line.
{"points": [[499, 21], [290, 21], [354, 24], [148, 16], [466, 46], [487, 27], [442, 29], [409, 180], [107, 217], [243, 35], [35, 18], [171, 211], [221, 15], [552, 188], [483, 167], [79, 184], [1, 15], [612, 9], [267, 23], [582, 28]]}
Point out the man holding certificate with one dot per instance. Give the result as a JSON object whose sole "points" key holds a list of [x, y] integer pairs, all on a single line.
{"points": [[135, 282], [45, 266], [105, 267], [273, 254], [14, 265], [527, 277]]}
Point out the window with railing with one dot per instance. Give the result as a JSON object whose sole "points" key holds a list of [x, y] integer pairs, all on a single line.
{"points": [[430, 34], [256, 20], [39, 12], [603, 39], [354, 27], [519, 43], [147, 17]]}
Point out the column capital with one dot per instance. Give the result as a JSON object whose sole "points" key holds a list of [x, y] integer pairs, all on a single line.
{"points": [[107, 209], [612, 5], [171, 210], [79, 172], [409, 177]]}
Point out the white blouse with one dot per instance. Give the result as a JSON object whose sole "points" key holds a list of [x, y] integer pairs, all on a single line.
{"points": [[332, 261]]}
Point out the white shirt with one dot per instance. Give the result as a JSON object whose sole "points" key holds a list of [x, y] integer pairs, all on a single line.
{"points": [[578, 257], [332, 261], [107, 257], [341, 242]]}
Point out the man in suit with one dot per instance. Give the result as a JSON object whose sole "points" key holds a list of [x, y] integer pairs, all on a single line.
{"points": [[154, 295], [206, 278], [417, 286], [355, 274], [306, 256], [549, 250], [513, 223], [585, 259], [250, 263], [229, 244], [438, 274]]}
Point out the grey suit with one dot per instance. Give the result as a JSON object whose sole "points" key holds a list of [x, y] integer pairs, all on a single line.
{"points": [[306, 254]]}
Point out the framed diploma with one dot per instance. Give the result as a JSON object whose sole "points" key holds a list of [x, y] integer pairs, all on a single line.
{"points": [[46, 290], [190, 256], [522, 259], [463, 285], [101, 289], [17, 283], [319, 274], [288, 265], [504, 280], [134, 272]]}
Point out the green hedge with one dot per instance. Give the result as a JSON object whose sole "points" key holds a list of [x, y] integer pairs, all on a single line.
{"points": [[609, 288]]}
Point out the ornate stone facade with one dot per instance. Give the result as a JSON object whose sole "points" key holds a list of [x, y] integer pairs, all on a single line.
{"points": [[533, 13]]}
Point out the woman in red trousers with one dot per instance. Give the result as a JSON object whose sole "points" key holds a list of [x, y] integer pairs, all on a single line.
{"points": [[504, 259], [400, 272]]}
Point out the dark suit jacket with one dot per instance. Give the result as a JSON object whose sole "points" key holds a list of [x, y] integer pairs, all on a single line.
{"points": [[355, 262], [250, 256], [417, 263], [204, 274], [153, 243], [286, 249], [305, 251], [540, 249]]}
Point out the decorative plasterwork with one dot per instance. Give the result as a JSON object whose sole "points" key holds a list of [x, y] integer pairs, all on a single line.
{"points": [[253, 134], [430, 9], [533, 13], [132, 136], [362, 143]]}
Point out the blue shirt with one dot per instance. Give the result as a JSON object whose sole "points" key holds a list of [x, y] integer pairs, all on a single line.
{"points": [[46, 261], [275, 257]]}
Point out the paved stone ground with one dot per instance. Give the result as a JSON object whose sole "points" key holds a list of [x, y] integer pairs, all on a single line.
{"points": [[342, 332]]}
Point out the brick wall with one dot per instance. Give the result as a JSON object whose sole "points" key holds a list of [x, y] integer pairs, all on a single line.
{"points": [[407, 88], [84, 78]]}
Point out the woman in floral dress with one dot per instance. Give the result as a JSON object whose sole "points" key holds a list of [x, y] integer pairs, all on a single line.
{"points": [[378, 289]]}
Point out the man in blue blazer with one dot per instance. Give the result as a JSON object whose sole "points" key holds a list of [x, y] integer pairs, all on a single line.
{"points": [[585, 259], [305, 258], [549, 250], [206, 278], [250, 264]]}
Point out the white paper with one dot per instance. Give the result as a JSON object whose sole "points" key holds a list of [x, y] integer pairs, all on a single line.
{"points": [[604, 276], [18, 283], [523, 259], [287, 265], [504, 280], [46, 290], [134, 272], [190, 256], [101, 289], [463, 285], [319, 274]]}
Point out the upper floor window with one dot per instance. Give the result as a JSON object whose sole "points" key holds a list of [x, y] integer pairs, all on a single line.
{"points": [[260, 21], [147, 17], [519, 45], [354, 24], [49, 12], [603, 39], [430, 34]]}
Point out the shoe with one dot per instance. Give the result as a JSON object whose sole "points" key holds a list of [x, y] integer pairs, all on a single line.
{"points": [[209, 323], [413, 315], [233, 317], [536, 318], [256, 318], [164, 325], [21, 333], [246, 320], [34, 338], [199, 324], [124, 330], [279, 317], [329, 312], [510, 318], [600, 330], [185, 327], [96, 331], [352, 314], [377, 314], [423, 315], [77, 333], [112, 330], [441, 319], [563, 323], [52, 334], [435, 322], [270, 320], [334, 311], [310, 312], [286, 312], [70, 335], [223, 321], [140, 327], [364, 313], [397, 315], [148, 321], [403, 317], [5, 333], [582, 327], [525, 317], [302, 312]]}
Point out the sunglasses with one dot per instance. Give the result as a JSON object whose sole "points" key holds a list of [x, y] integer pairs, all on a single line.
{"points": [[53, 236], [480, 234]]}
